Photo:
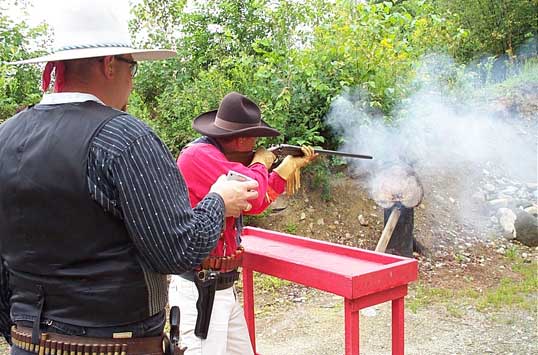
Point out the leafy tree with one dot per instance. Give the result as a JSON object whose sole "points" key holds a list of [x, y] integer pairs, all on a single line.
{"points": [[220, 44], [19, 85], [293, 58], [495, 27]]}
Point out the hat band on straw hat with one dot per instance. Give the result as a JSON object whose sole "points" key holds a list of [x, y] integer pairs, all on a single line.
{"points": [[99, 45], [233, 126], [91, 29]]}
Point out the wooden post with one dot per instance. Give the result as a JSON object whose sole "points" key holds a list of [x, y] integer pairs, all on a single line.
{"points": [[387, 231]]}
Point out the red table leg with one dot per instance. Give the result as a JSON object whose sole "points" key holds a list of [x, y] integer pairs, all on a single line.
{"points": [[351, 319], [248, 304], [398, 326]]}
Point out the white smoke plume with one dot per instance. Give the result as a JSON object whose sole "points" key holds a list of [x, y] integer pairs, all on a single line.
{"points": [[440, 129]]}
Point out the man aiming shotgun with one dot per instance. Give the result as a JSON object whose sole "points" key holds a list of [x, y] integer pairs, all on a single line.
{"points": [[212, 321]]}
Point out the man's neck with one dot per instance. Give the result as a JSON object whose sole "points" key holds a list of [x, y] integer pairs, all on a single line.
{"points": [[86, 89]]}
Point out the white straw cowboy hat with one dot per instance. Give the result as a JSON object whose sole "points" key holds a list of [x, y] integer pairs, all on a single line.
{"points": [[93, 28]]}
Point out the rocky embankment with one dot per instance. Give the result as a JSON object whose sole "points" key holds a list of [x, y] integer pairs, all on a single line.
{"points": [[512, 207]]}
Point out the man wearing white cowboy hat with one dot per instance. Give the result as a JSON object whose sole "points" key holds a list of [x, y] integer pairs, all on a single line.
{"points": [[212, 321], [93, 211]]}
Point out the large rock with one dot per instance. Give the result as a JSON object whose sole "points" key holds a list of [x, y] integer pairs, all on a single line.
{"points": [[526, 226], [507, 219], [532, 210]]}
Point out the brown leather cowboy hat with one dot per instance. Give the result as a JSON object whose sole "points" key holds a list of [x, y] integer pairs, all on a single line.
{"points": [[237, 116]]}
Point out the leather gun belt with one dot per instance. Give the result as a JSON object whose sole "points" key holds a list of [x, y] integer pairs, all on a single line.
{"points": [[224, 279], [224, 263], [59, 344]]}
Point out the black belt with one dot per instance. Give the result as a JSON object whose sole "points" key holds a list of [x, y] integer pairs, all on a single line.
{"points": [[224, 279]]}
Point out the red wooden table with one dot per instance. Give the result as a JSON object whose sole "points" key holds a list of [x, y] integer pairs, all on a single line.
{"points": [[364, 278]]}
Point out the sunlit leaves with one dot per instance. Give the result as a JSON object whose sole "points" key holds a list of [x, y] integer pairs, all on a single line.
{"points": [[19, 85]]}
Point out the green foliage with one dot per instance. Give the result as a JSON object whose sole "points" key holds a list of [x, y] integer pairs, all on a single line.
{"points": [[266, 283], [291, 228], [483, 81], [251, 219], [511, 253], [527, 73], [292, 58], [319, 176], [19, 85], [495, 27], [375, 47]]}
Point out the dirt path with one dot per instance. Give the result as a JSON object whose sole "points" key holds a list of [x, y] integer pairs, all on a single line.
{"points": [[316, 326]]}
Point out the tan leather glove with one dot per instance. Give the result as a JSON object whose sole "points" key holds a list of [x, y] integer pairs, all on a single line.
{"points": [[290, 168], [263, 156]]}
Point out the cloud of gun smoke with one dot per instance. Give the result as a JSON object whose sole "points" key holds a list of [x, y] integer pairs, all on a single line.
{"points": [[437, 131]]}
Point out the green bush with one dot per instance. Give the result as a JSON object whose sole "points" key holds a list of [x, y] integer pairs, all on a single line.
{"points": [[19, 85], [292, 58], [495, 27]]}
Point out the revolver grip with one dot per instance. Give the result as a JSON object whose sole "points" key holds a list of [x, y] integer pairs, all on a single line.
{"points": [[174, 330], [174, 317]]}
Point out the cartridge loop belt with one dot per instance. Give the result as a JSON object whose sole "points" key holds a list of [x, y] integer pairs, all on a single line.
{"points": [[59, 344], [224, 263]]}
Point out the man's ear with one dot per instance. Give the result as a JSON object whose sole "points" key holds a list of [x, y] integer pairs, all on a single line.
{"points": [[107, 67]]}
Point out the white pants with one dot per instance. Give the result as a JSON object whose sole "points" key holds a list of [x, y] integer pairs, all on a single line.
{"points": [[227, 333]]}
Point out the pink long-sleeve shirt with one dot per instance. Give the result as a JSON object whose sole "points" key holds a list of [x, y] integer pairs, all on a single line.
{"points": [[201, 165]]}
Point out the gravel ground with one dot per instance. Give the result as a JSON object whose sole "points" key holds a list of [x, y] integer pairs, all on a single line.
{"points": [[316, 326]]}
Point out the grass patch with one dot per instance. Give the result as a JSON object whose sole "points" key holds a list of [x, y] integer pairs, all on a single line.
{"points": [[520, 292], [511, 253], [266, 283], [251, 218], [506, 294], [291, 228], [470, 293], [425, 295], [454, 310], [512, 292], [528, 73], [269, 288]]}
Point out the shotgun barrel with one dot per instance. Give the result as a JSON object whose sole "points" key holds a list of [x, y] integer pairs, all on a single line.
{"points": [[295, 150]]}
